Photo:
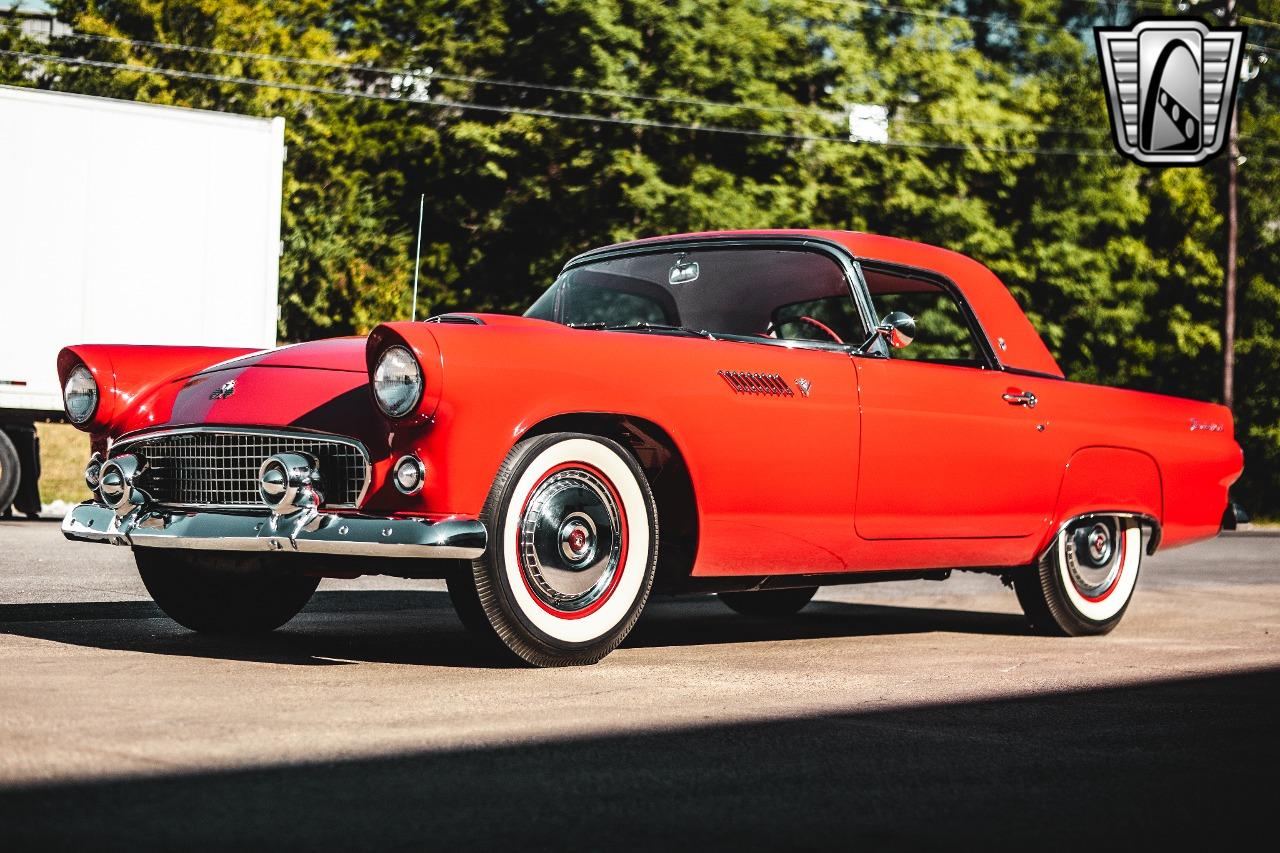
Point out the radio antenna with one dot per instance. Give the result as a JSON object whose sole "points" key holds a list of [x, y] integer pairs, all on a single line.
{"points": [[417, 256]]}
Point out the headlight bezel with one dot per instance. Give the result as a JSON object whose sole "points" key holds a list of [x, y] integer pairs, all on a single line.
{"points": [[81, 372], [409, 405]]}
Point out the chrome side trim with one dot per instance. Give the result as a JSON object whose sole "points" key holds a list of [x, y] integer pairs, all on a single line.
{"points": [[126, 441], [1153, 540], [320, 533]]}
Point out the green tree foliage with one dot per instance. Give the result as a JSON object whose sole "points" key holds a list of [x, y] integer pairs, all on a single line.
{"points": [[996, 120]]}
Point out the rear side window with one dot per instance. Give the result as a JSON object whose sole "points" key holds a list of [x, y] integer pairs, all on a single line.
{"points": [[943, 332]]}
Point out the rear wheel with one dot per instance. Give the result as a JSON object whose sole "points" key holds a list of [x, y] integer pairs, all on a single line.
{"points": [[222, 593], [1083, 584], [769, 603], [572, 551]]}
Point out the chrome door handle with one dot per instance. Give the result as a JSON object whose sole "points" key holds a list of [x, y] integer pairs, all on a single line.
{"points": [[1024, 398]]}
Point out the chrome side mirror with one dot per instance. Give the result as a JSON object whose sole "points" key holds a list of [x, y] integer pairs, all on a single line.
{"points": [[897, 327]]}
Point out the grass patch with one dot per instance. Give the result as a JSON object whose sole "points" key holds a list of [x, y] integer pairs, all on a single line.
{"points": [[63, 453]]}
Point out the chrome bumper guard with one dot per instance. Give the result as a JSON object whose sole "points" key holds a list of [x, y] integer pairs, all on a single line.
{"points": [[308, 533]]}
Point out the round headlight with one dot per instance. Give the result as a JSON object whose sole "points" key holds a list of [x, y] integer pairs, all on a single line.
{"points": [[80, 395], [397, 382]]}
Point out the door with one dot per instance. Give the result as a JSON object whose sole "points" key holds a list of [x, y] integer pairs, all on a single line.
{"points": [[756, 386], [950, 447]]}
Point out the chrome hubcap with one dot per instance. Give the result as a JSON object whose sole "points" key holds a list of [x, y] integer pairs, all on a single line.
{"points": [[570, 540], [1093, 556], [577, 538]]}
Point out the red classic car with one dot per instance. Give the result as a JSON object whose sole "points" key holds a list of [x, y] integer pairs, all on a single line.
{"points": [[719, 412]]}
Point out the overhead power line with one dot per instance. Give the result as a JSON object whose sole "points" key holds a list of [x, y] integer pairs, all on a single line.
{"points": [[543, 113], [943, 16], [705, 103], [1259, 22], [996, 20]]}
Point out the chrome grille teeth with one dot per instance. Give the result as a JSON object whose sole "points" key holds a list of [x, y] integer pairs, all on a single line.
{"points": [[219, 468], [771, 384]]}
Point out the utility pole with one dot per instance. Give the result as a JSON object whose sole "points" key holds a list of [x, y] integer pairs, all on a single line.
{"points": [[1233, 233]]}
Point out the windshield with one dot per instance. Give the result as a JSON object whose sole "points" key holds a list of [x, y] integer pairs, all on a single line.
{"points": [[779, 294]]}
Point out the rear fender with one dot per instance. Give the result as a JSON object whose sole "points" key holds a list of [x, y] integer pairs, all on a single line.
{"points": [[1108, 479]]}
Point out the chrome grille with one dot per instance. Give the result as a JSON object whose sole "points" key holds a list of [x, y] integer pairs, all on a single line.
{"points": [[219, 468]]}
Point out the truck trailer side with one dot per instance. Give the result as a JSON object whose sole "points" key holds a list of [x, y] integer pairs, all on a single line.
{"points": [[125, 222]]}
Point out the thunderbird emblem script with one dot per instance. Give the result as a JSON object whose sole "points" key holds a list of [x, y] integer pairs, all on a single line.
{"points": [[1171, 86]]}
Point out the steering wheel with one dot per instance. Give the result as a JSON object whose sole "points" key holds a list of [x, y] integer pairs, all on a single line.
{"points": [[771, 329]]}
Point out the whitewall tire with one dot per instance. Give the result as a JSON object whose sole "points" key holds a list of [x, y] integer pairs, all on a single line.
{"points": [[1084, 582], [573, 546]]}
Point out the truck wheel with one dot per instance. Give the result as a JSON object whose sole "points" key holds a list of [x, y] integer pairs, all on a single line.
{"points": [[1084, 582], [222, 593], [573, 547], [10, 473], [769, 603]]}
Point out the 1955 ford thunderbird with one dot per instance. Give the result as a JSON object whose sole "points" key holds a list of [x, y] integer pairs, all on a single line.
{"points": [[753, 414]]}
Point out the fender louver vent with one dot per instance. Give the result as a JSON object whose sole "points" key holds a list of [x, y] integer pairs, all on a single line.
{"points": [[757, 383]]}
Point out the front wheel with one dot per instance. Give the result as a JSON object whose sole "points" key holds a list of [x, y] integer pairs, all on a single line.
{"points": [[222, 593], [572, 551], [1084, 582]]}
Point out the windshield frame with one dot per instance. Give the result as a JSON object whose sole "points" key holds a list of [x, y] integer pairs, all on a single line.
{"points": [[845, 260]]}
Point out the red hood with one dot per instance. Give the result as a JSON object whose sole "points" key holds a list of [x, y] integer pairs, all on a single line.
{"points": [[345, 354], [322, 385]]}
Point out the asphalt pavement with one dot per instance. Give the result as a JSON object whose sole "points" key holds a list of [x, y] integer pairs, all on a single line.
{"points": [[917, 714]]}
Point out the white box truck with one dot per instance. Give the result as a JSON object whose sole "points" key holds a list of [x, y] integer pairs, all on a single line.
{"points": [[131, 223]]}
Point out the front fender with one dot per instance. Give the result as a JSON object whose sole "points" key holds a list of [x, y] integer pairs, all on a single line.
{"points": [[125, 373]]}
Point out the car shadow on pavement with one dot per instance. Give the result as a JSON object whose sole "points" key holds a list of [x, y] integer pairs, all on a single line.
{"points": [[338, 628], [419, 627], [1178, 764], [702, 620]]}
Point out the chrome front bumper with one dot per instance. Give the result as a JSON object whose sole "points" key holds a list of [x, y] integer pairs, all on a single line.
{"points": [[314, 533]]}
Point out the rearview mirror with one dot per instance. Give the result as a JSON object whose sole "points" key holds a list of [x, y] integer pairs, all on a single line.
{"points": [[897, 327]]}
